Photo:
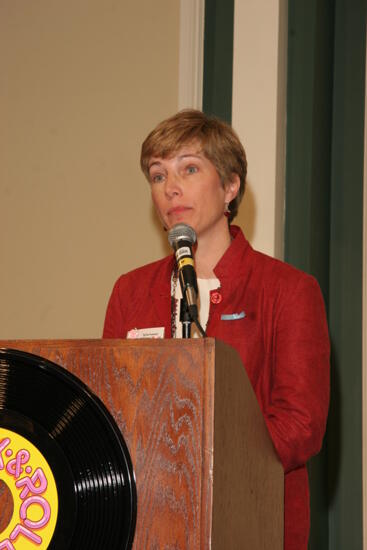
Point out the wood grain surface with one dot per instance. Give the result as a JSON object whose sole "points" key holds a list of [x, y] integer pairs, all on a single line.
{"points": [[163, 396], [156, 397]]}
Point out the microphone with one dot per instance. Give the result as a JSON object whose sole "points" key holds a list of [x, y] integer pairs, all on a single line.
{"points": [[181, 237]]}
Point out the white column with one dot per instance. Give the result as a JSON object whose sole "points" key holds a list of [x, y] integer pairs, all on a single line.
{"points": [[259, 116], [191, 62]]}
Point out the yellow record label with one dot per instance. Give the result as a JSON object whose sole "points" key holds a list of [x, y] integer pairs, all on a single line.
{"points": [[185, 261], [24, 471]]}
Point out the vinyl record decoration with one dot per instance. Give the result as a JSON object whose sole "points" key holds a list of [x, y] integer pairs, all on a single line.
{"points": [[66, 477]]}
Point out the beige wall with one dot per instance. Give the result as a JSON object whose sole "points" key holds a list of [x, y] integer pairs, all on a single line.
{"points": [[82, 82]]}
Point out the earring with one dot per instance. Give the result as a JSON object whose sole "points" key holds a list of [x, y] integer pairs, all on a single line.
{"points": [[226, 209]]}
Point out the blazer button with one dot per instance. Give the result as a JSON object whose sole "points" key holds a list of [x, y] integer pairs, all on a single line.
{"points": [[216, 297]]}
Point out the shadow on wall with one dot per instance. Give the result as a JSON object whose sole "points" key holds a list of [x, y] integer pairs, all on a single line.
{"points": [[324, 468], [246, 217], [334, 429]]}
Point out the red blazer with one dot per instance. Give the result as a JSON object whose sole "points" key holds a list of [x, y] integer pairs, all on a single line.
{"points": [[283, 342]]}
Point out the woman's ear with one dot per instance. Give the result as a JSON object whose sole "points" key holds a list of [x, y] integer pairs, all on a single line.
{"points": [[232, 187]]}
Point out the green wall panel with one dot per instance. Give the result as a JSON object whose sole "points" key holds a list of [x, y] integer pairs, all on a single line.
{"points": [[345, 295], [323, 235], [218, 58], [307, 220]]}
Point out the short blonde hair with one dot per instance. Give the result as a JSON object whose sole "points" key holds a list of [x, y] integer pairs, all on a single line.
{"points": [[218, 141]]}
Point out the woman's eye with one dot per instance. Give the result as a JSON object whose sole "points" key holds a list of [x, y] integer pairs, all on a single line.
{"points": [[192, 169], [156, 178]]}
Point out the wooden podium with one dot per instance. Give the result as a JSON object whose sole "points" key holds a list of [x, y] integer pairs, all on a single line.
{"points": [[206, 471]]}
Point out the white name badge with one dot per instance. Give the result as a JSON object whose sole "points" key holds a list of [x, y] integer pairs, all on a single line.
{"points": [[154, 332]]}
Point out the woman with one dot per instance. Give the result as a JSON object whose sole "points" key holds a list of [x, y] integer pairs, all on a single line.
{"points": [[270, 312]]}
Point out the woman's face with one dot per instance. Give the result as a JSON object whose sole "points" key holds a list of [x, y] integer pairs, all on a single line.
{"points": [[186, 188]]}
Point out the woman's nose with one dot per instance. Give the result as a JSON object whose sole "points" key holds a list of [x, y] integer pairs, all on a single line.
{"points": [[173, 185]]}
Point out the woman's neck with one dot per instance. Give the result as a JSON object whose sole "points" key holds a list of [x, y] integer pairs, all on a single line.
{"points": [[209, 251]]}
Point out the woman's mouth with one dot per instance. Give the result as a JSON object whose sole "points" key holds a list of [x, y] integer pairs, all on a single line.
{"points": [[178, 210]]}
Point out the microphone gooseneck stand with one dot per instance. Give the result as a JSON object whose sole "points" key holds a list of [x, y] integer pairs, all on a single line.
{"points": [[189, 315], [185, 319]]}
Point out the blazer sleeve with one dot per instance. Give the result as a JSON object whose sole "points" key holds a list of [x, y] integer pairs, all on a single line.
{"points": [[297, 412], [114, 322]]}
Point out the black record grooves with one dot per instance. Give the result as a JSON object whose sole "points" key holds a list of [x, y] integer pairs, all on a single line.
{"points": [[83, 446]]}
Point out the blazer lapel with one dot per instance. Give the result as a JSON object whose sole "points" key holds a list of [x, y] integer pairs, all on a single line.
{"points": [[161, 299]]}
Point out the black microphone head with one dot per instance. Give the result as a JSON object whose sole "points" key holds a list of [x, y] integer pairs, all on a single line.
{"points": [[181, 231]]}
